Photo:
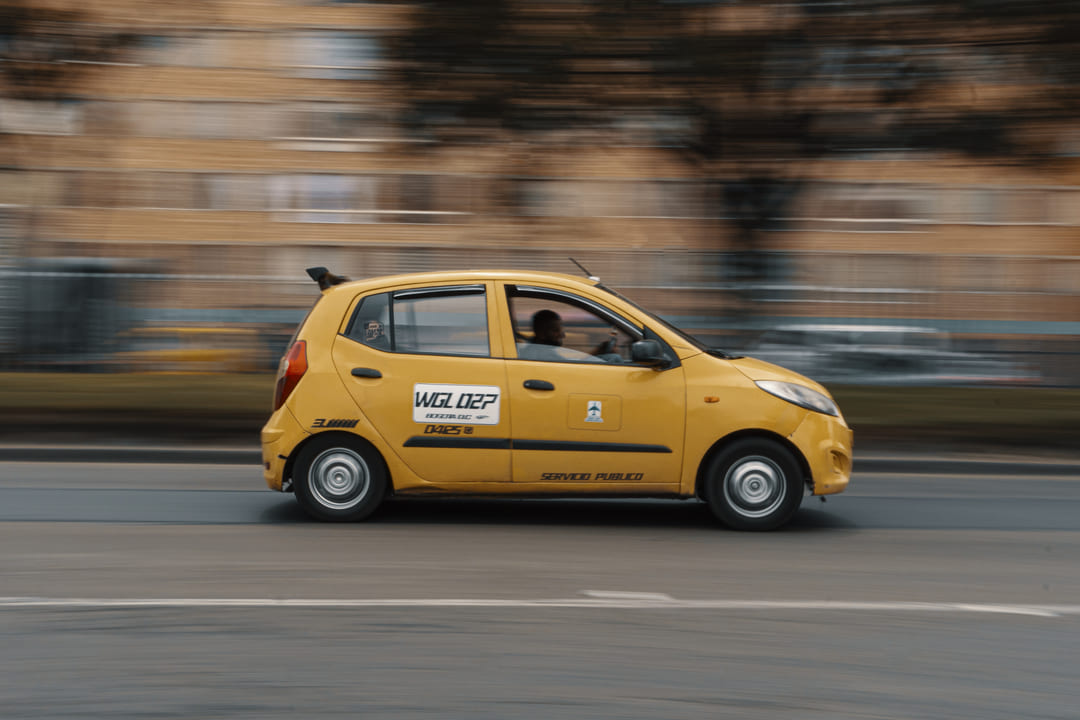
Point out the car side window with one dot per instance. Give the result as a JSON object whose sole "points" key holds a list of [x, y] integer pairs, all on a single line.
{"points": [[559, 327], [370, 323], [449, 320]]}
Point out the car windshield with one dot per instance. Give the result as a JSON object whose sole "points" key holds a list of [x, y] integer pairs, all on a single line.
{"points": [[694, 342]]}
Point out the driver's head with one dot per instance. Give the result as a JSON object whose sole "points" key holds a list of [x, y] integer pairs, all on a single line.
{"points": [[547, 328]]}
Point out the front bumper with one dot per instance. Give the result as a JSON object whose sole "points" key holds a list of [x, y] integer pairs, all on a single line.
{"points": [[826, 443], [281, 434]]}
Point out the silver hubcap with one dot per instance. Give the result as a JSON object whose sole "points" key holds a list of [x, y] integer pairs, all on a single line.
{"points": [[754, 486], [339, 478]]}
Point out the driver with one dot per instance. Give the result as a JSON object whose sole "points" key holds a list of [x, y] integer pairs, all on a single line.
{"points": [[548, 337], [547, 328]]}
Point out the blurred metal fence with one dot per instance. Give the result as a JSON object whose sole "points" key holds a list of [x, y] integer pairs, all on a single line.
{"points": [[115, 314], [8, 296]]}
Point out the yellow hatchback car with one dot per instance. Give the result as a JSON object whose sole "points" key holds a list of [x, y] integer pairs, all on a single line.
{"points": [[531, 383]]}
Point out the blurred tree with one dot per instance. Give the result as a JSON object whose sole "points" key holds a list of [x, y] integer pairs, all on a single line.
{"points": [[45, 48], [763, 88]]}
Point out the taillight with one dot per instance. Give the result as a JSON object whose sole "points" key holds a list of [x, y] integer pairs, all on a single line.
{"points": [[292, 368]]}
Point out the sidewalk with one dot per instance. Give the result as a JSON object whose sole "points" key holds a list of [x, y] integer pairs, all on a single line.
{"points": [[881, 462]]}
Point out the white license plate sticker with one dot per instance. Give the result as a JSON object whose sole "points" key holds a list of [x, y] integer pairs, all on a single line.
{"points": [[460, 404]]}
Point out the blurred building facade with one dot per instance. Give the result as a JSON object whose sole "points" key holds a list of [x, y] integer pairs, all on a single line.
{"points": [[235, 142]]}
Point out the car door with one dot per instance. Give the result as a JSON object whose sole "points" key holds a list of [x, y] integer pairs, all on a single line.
{"points": [[419, 364], [581, 413]]}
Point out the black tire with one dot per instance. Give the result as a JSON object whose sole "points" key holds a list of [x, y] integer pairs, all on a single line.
{"points": [[339, 478], [754, 484]]}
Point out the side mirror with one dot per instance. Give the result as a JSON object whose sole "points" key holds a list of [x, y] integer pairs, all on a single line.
{"points": [[647, 352]]}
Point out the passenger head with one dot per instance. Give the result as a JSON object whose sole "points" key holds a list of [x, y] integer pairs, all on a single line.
{"points": [[547, 328]]}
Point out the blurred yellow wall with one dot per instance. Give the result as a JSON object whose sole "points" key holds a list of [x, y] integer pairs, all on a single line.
{"points": [[252, 138]]}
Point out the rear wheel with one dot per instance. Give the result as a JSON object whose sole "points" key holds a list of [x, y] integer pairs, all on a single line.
{"points": [[339, 478], [754, 484]]}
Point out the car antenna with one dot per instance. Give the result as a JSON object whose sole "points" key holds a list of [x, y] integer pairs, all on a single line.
{"points": [[587, 273]]}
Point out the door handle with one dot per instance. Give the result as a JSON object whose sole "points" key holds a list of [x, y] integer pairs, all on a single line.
{"points": [[539, 385], [366, 372]]}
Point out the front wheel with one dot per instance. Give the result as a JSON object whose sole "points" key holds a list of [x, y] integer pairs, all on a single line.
{"points": [[339, 478], [755, 484]]}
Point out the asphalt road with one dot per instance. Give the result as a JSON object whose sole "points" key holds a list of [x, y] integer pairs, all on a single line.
{"points": [[190, 591]]}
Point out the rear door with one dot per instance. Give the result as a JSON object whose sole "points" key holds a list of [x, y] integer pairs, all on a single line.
{"points": [[419, 364]]}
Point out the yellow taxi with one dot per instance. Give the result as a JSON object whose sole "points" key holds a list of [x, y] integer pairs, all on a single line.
{"points": [[532, 383]]}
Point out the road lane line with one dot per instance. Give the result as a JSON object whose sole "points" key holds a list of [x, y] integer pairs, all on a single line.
{"points": [[623, 595], [593, 599]]}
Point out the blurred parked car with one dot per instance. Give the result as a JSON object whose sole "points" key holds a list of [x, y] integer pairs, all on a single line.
{"points": [[882, 355], [192, 349]]}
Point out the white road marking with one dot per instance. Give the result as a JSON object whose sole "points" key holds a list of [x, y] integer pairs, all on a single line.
{"points": [[622, 595], [591, 599]]}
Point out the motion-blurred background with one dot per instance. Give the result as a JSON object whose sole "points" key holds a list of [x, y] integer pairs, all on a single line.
{"points": [[883, 194]]}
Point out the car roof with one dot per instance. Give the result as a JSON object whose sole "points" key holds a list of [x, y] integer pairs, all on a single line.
{"points": [[444, 276]]}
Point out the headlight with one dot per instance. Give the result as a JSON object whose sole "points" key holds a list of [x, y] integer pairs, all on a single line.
{"points": [[799, 395]]}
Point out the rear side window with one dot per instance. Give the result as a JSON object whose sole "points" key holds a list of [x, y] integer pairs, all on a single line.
{"points": [[370, 323], [450, 320]]}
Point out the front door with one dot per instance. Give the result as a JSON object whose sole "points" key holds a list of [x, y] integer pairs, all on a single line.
{"points": [[418, 363], [580, 411]]}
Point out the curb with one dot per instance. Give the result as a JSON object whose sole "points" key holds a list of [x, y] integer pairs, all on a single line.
{"points": [[953, 466], [133, 454], [872, 464]]}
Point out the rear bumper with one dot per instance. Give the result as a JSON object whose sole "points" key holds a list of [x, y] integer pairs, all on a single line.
{"points": [[826, 443], [281, 434]]}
